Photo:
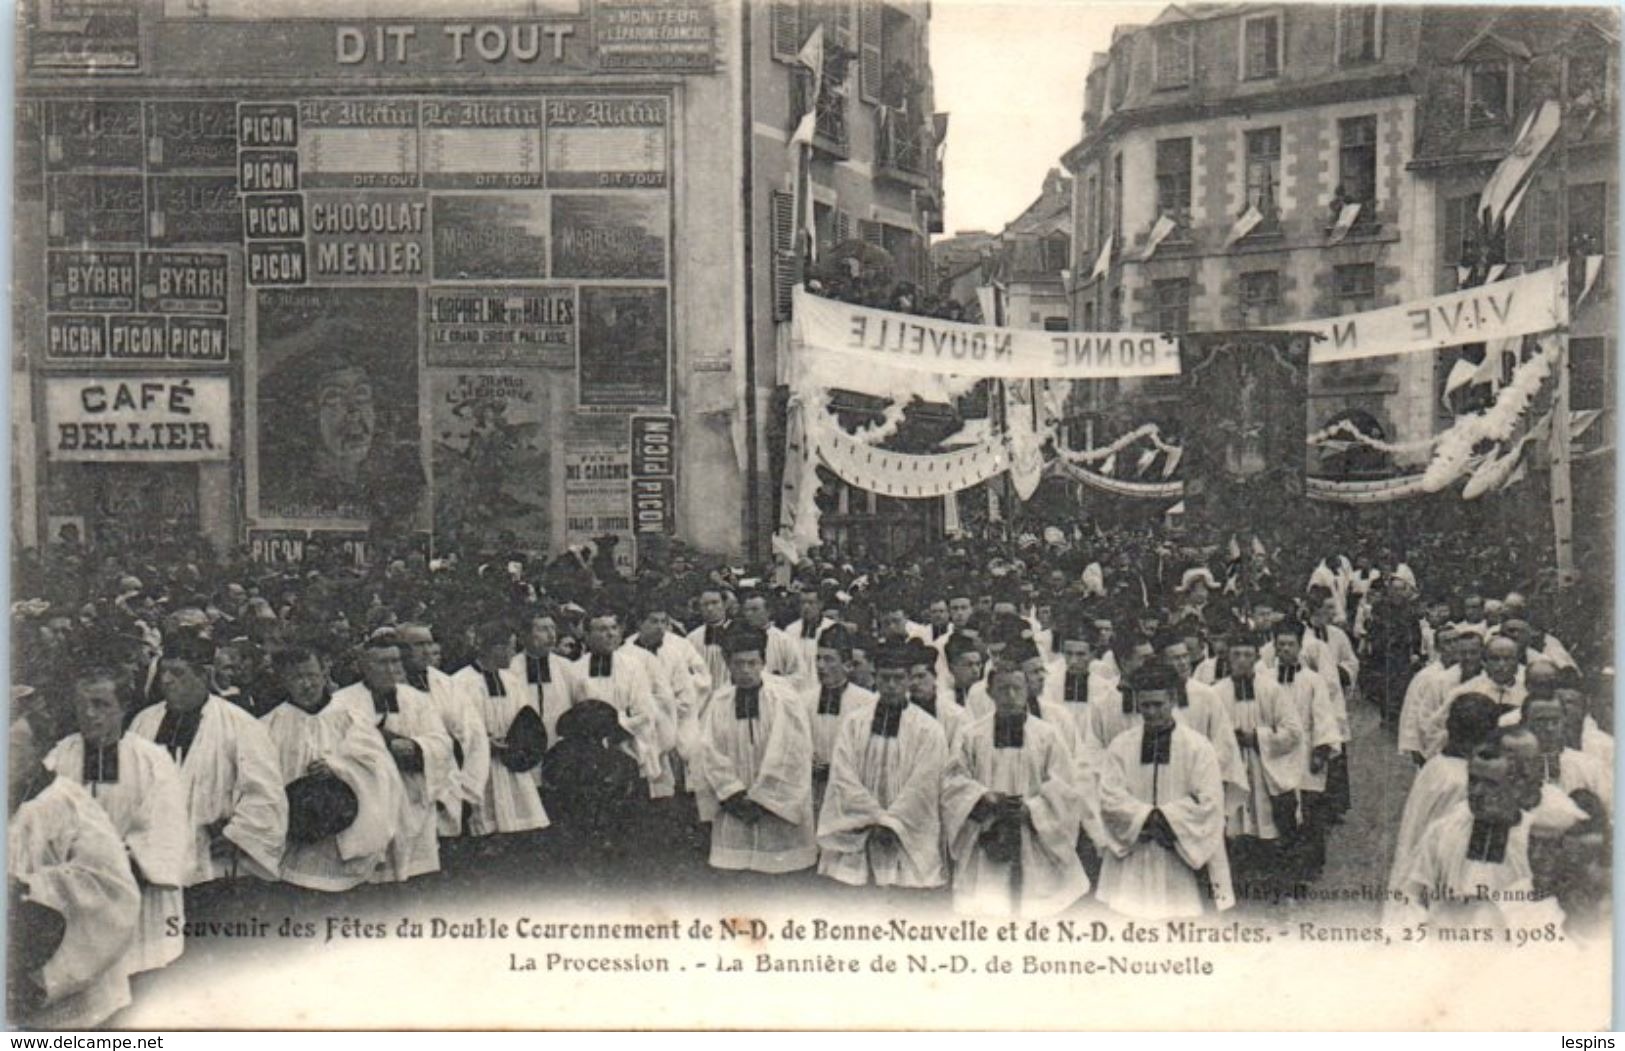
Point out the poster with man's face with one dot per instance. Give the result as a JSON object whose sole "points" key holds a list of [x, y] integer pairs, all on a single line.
{"points": [[336, 407]]}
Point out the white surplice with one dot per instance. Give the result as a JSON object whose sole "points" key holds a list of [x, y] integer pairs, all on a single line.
{"points": [[354, 751], [1422, 727], [229, 772], [1041, 773], [629, 690], [147, 807], [1273, 766], [61, 846], [769, 758], [824, 727], [1439, 786], [1146, 880], [1448, 889], [415, 848], [893, 782], [1318, 717], [511, 801], [552, 698], [471, 756]]}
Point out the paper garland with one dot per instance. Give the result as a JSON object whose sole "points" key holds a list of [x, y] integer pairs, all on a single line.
{"points": [[912, 477]]}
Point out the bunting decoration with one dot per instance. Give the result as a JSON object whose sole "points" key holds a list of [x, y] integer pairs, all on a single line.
{"points": [[1501, 194], [1244, 224], [910, 476], [1159, 233], [1346, 217], [1455, 446], [1103, 261]]}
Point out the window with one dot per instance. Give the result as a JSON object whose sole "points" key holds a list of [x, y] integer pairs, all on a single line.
{"points": [[1590, 231], [1057, 324], [1114, 311], [1588, 374], [1533, 234], [1354, 280], [1120, 70], [824, 227], [1264, 171], [1260, 47], [1260, 295], [1489, 93], [796, 22], [1117, 200], [903, 246], [1590, 81], [1175, 56], [785, 263], [1172, 301], [1459, 241], [1357, 162], [1359, 34], [1090, 231], [1088, 317], [1056, 252], [1174, 180]]}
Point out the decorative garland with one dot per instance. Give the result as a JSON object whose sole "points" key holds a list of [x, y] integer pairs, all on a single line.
{"points": [[1363, 492], [1329, 435], [1456, 445]]}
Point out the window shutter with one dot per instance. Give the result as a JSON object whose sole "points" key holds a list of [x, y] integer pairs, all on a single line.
{"points": [[871, 32], [784, 252], [786, 24], [843, 227], [843, 25], [1451, 242], [871, 232]]}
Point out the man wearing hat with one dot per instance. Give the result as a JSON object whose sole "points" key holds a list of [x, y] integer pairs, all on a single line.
{"points": [[139, 787], [1011, 809], [417, 740], [229, 770], [1162, 806], [756, 766], [73, 902], [344, 790], [880, 820]]}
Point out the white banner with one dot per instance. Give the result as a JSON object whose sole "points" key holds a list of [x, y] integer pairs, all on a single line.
{"points": [[1520, 306], [138, 418], [1373, 492], [865, 337], [902, 474]]}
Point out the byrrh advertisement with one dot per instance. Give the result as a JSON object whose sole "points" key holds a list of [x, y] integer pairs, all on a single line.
{"points": [[832, 514]]}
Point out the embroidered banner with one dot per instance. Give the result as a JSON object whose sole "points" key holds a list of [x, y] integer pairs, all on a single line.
{"points": [[902, 474]]}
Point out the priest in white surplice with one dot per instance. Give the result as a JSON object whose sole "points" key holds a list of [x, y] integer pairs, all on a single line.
{"points": [[783, 653], [1011, 810], [417, 740], [139, 787], [511, 801], [880, 822], [835, 696], [756, 765], [622, 681], [1162, 803], [1568, 768], [547, 677], [470, 744], [317, 739], [1272, 742], [806, 630], [229, 770], [71, 885]]}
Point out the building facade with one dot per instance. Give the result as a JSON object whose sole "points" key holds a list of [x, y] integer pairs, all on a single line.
{"points": [[482, 280]]}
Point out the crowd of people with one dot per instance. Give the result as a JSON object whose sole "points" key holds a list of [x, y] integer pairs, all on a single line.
{"points": [[1158, 721]]}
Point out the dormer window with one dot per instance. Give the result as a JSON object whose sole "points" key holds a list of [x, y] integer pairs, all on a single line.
{"points": [[1359, 34], [1175, 56], [1489, 92]]}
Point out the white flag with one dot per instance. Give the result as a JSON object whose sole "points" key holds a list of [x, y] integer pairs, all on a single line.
{"points": [[1491, 369], [1495, 273], [1173, 461], [1159, 233], [805, 130], [1103, 262], [1345, 221], [987, 297], [1511, 176], [811, 54], [1593, 268], [1244, 224], [1145, 461], [1462, 274], [1461, 374]]}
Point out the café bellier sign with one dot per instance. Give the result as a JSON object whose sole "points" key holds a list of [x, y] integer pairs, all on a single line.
{"points": [[138, 419]]}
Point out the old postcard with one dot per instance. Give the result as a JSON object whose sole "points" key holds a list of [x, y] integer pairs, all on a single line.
{"points": [[812, 513]]}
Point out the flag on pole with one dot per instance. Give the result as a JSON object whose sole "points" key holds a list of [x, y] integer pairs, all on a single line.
{"points": [[1159, 233], [1244, 224], [1103, 261], [811, 54], [1511, 176], [1345, 221], [1593, 268]]}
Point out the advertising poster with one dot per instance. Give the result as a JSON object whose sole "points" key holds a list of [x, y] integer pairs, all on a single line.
{"points": [[65, 38], [490, 457], [336, 406], [623, 359], [93, 135], [106, 209], [619, 143], [367, 237], [524, 325], [644, 34], [482, 143], [353, 143], [191, 136], [138, 419], [616, 237], [194, 209], [493, 236], [598, 497]]}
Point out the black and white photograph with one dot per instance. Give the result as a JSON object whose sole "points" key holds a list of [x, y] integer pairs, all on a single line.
{"points": [[812, 514]]}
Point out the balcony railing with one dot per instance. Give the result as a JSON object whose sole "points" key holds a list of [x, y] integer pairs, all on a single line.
{"points": [[830, 132], [903, 150]]}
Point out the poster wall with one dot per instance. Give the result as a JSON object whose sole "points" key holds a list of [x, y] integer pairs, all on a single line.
{"points": [[336, 406], [490, 458]]}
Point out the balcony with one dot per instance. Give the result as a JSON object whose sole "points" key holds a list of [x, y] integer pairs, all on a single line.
{"points": [[830, 130], [903, 149]]}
